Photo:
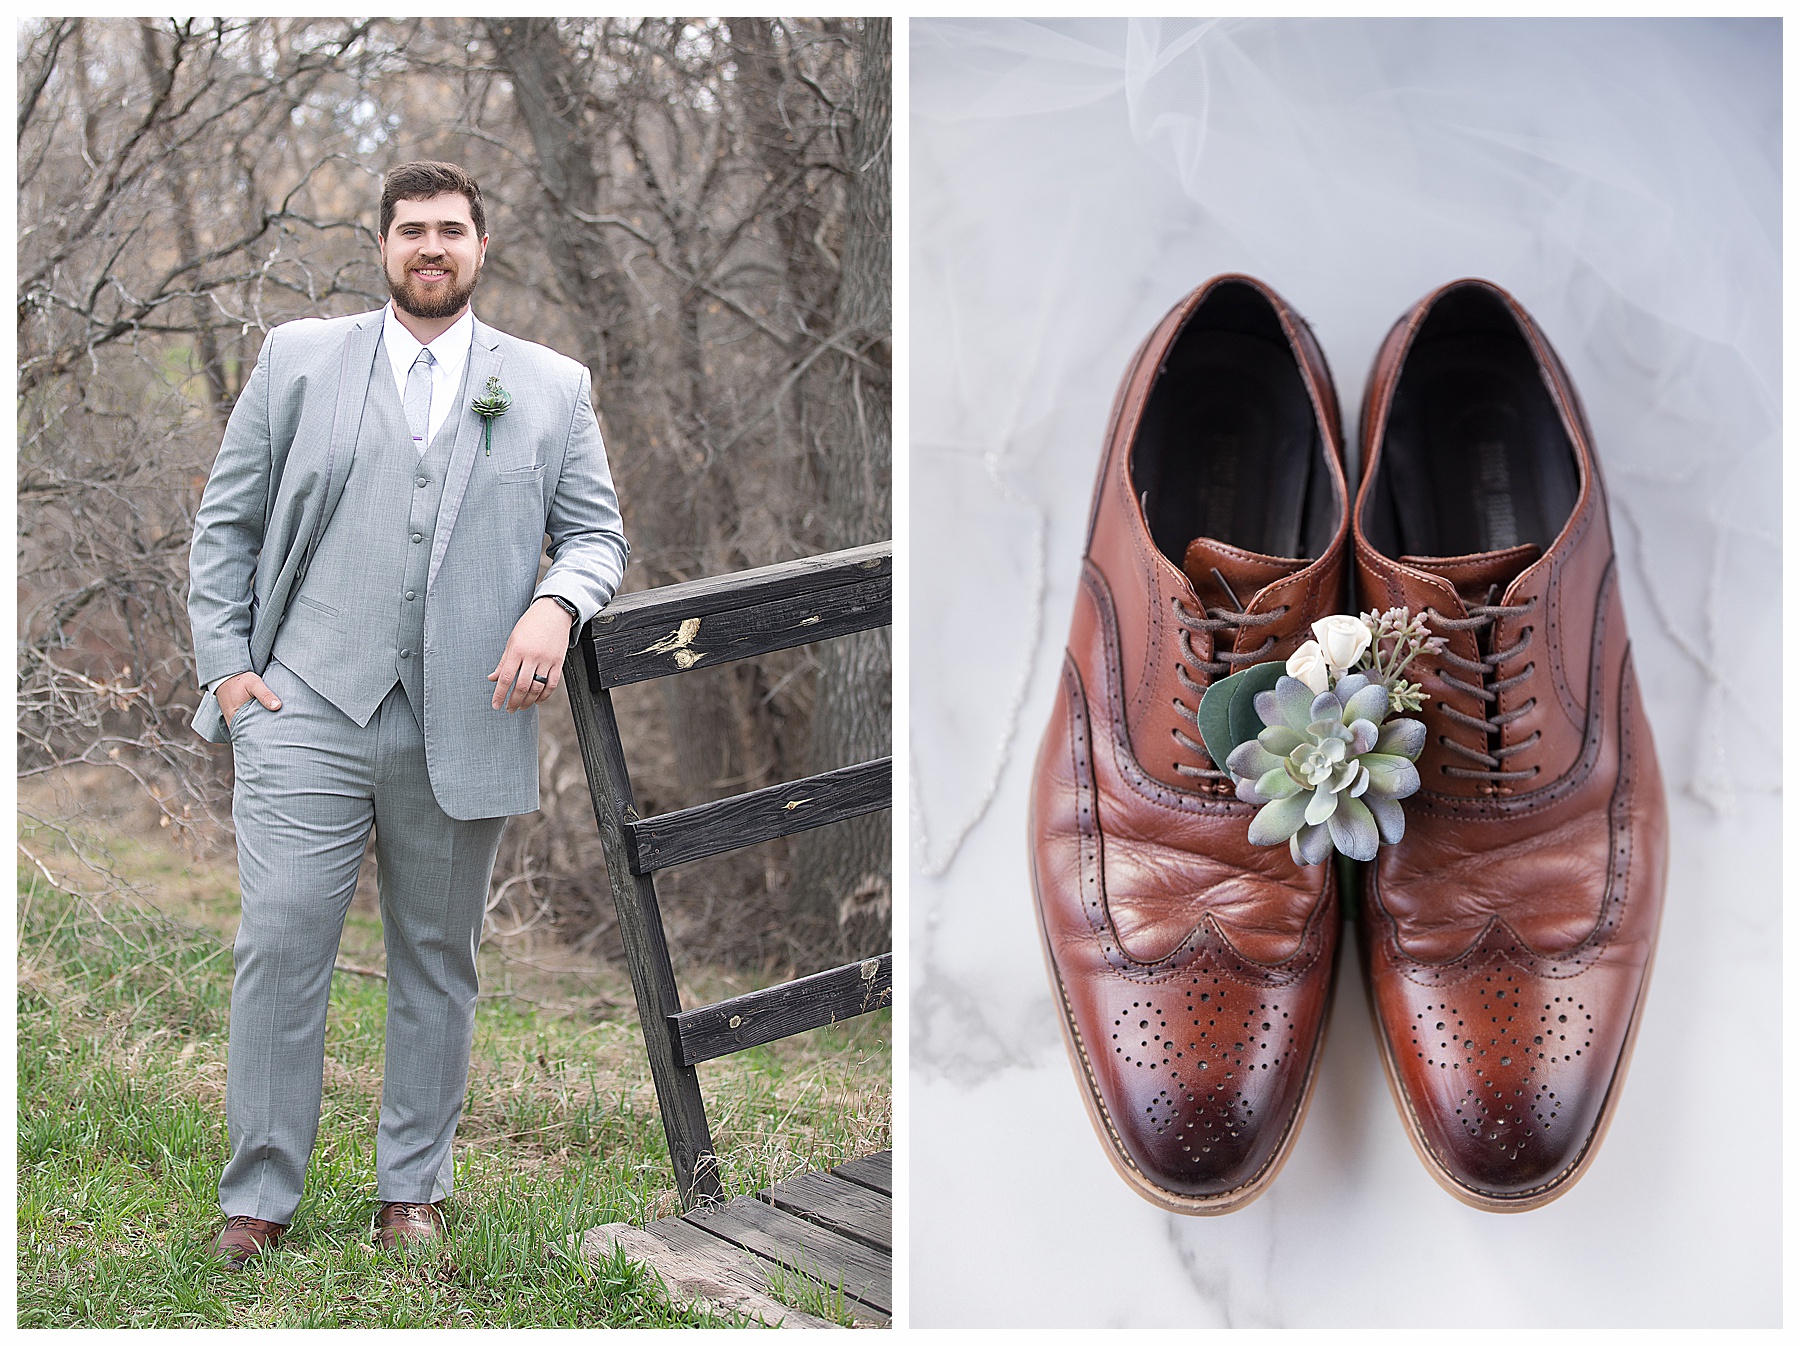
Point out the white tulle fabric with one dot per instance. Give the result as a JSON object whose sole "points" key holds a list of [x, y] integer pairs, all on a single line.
{"points": [[1068, 182]]}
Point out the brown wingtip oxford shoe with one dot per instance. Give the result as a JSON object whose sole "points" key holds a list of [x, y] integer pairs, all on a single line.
{"points": [[245, 1237], [1508, 937], [1191, 969], [408, 1224]]}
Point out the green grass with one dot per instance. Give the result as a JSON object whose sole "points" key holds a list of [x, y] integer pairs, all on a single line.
{"points": [[811, 1294], [121, 1073]]}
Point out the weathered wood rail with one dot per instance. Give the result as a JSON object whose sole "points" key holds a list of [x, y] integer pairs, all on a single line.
{"points": [[662, 632]]}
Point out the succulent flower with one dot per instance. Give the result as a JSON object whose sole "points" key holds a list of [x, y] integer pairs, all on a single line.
{"points": [[1325, 769], [493, 403]]}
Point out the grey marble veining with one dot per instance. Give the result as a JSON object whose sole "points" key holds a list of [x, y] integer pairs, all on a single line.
{"points": [[1070, 181]]}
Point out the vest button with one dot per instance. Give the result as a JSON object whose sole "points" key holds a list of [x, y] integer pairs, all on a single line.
{"points": [[409, 595], [418, 537], [406, 654], [424, 481]]}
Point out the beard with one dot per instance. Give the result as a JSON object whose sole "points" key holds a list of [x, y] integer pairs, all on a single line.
{"points": [[439, 302]]}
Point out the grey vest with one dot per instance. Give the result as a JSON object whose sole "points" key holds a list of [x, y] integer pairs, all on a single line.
{"points": [[357, 621]]}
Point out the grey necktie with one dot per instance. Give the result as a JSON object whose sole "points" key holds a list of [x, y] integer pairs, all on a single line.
{"points": [[418, 398]]}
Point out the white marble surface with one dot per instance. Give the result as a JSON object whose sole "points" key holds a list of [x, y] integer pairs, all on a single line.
{"points": [[1069, 181]]}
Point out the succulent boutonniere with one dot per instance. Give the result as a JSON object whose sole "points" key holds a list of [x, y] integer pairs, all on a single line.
{"points": [[1318, 743], [492, 403]]}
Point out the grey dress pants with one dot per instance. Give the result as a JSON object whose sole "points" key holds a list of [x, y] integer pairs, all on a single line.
{"points": [[310, 784]]}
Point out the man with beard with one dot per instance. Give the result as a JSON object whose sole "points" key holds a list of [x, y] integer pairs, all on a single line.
{"points": [[374, 637]]}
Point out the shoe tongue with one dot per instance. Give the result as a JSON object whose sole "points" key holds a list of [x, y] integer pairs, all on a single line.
{"points": [[1477, 577], [1245, 572]]}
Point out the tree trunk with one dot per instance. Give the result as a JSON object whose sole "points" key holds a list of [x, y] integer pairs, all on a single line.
{"points": [[842, 874], [551, 98]]}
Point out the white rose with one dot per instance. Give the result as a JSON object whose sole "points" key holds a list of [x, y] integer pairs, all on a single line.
{"points": [[1342, 640], [1308, 664]]}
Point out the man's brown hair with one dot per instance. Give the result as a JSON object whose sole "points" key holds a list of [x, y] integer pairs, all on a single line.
{"points": [[426, 178]]}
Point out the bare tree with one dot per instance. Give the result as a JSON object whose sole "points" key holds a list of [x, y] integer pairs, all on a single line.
{"points": [[841, 876], [686, 205], [146, 261]]}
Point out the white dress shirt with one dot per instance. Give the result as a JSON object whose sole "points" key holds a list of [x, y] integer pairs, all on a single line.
{"points": [[450, 350]]}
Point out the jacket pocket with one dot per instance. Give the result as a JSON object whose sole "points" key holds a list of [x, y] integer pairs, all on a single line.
{"points": [[531, 474], [326, 608]]}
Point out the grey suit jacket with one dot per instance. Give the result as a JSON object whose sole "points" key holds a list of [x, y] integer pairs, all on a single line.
{"points": [[279, 475]]}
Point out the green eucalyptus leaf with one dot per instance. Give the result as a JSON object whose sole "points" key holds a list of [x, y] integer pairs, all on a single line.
{"points": [[1221, 728]]}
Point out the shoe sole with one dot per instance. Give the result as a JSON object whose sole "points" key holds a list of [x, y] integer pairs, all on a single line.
{"points": [[1225, 1202], [1474, 1196]]}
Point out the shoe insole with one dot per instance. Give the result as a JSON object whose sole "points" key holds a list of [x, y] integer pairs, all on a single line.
{"points": [[1474, 456], [1227, 449]]}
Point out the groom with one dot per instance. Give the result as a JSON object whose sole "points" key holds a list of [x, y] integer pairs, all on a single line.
{"points": [[374, 638]]}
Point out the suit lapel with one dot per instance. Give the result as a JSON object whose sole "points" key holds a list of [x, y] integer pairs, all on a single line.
{"points": [[484, 363], [346, 418]]}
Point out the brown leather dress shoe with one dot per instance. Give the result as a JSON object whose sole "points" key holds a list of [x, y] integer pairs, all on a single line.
{"points": [[409, 1224], [1508, 935], [245, 1237], [1192, 969]]}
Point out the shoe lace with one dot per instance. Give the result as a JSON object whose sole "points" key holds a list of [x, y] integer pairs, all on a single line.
{"points": [[412, 1210], [242, 1222], [1213, 621], [1486, 688]]}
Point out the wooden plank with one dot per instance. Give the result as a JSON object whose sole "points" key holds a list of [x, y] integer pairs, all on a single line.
{"points": [[697, 1267], [682, 835], [641, 635], [781, 1011], [864, 1273], [650, 609], [874, 1171], [705, 639], [646, 947], [698, 1243], [855, 1212], [740, 1264]]}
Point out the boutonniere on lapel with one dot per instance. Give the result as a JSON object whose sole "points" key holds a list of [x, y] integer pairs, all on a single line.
{"points": [[490, 404]]}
